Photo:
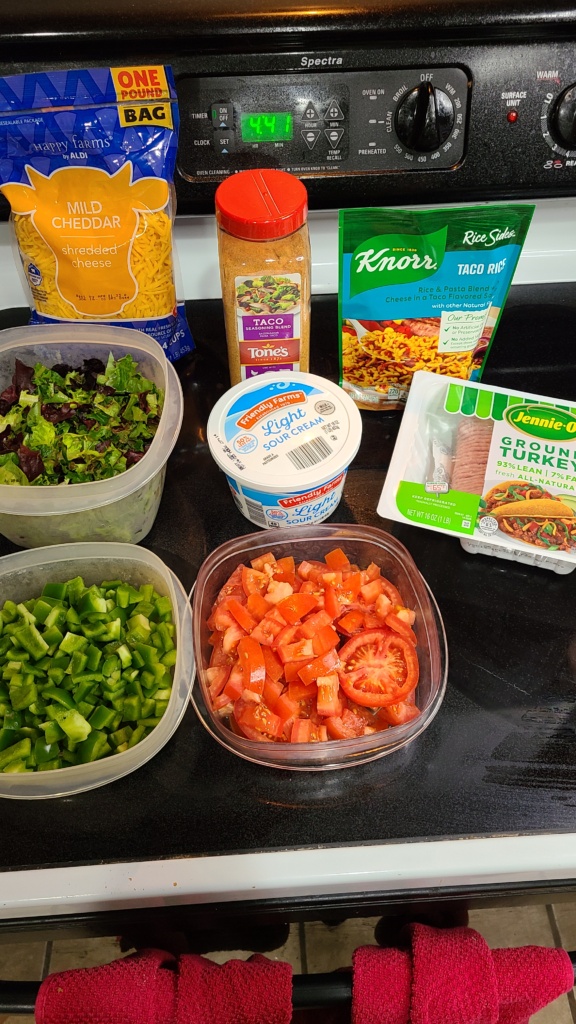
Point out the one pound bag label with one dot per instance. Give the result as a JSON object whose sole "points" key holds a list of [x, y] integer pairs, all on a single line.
{"points": [[422, 290], [87, 167]]}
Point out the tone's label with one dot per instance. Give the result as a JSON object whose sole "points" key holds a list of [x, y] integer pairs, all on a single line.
{"points": [[268, 322]]}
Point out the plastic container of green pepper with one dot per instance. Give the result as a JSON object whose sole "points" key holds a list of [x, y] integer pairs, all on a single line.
{"points": [[23, 576]]}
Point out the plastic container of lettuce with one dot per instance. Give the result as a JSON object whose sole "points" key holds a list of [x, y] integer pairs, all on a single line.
{"points": [[122, 508], [23, 576]]}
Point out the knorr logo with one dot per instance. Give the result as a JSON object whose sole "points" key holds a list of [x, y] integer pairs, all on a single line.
{"points": [[396, 259], [542, 421]]}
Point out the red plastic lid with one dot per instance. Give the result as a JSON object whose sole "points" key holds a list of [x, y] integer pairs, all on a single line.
{"points": [[261, 204]]}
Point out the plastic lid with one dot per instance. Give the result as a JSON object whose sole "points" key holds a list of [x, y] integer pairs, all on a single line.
{"points": [[281, 433], [261, 204]]}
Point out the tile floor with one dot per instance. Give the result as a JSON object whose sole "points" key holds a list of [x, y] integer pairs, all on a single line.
{"points": [[315, 947]]}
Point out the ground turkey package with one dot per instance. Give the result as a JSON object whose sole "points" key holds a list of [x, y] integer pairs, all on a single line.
{"points": [[87, 164], [422, 290], [495, 467]]}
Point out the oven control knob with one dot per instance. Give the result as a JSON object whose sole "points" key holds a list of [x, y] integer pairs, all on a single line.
{"points": [[424, 118], [563, 118]]}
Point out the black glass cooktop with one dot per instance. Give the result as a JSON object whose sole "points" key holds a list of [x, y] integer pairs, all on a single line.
{"points": [[500, 757]]}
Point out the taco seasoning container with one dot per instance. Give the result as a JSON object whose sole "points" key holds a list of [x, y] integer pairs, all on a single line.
{"points": [[264, 252]]}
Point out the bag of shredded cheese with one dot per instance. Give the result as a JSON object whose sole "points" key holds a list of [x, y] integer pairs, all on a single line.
{"points": [[422, 290], [87, 164]]}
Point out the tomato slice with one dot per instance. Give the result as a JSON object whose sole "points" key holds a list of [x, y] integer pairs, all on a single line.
{"points": [[302, 650], [378, 668]]}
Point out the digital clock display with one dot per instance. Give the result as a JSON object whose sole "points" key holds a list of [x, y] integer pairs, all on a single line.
{"points": [[267, 127]]}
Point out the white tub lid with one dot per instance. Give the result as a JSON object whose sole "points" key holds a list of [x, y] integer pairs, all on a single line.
{"points": [[284, 432]]}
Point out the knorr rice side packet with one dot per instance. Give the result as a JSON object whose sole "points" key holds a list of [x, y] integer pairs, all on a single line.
{"points": [[495, 467], [422, 290], [87, 164]]}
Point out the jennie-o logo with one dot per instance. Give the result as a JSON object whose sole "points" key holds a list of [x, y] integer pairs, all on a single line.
{"points": [[542, 421], [396, 259], [89, 218]]}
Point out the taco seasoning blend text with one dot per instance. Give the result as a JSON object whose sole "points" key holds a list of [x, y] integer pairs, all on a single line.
{"points": [[264, 253]]}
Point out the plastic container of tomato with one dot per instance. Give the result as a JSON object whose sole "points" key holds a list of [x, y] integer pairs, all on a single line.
{"points": [[363, 545]]}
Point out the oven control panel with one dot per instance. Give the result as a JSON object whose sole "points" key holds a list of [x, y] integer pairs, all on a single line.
{"points": [[324, 124]]}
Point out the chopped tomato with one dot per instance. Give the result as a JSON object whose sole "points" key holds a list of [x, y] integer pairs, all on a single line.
{"points": [[325, 640], [336, 559], [390, 590], [251, 659], [328, 700], [378, 668], [319, 667], [314, 623], [402, 628], [301, 731], [295, 607], [269, 627], [298, 691], [286, 564], [302, 650], [398, 714], [217, 677], [286, 635], [261, 719], [350, 623], [274, 668], [232, 635], [272, 692], [241, 614], [221, 618], [371, 591], [279, 670], [331, 602], [253, 581], [262, 560], [292, 671], [286, 708], [257, 606]]}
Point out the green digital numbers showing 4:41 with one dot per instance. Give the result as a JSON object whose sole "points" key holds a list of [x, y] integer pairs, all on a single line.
{"points": [[267, 127]]}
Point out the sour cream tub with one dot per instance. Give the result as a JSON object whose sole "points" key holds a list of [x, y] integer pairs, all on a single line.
{"points": [[285, 442]]}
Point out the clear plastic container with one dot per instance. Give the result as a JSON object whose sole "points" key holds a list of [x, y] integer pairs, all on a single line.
{"points": [[363, 544], [23, 575], [122, 508]]}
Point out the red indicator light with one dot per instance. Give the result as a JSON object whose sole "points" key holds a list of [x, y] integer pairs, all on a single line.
{"points": [[512, 116]]}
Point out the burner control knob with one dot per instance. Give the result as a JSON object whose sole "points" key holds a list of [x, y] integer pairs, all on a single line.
{"points": [[424, 118], [563, 118]]}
